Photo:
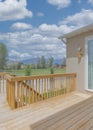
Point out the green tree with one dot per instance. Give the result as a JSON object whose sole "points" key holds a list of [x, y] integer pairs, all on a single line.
{"points": [[19, 65], [50, 61], [38, 62], [3, 55], [27, 70], [43, 62]]}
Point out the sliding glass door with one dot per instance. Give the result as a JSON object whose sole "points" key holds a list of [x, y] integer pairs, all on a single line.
{"points": [[90, 64]]}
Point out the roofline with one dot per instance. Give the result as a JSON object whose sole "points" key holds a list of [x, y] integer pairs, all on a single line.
{"points": [[77, 31]]}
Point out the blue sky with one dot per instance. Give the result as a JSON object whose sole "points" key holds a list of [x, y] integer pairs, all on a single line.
{"points": [[30, 28]]}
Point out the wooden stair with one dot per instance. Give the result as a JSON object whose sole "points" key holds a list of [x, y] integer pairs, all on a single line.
{"points": [[32, 90], [31, 94]]}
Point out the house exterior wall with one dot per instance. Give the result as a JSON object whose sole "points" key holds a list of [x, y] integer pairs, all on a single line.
{"points": [[73, 63]]}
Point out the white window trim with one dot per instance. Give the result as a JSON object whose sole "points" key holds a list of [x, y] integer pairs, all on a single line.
{"points": [[86, 62]]}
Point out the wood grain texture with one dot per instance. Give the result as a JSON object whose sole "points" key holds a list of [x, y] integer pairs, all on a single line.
{"points": [[51, 113]]}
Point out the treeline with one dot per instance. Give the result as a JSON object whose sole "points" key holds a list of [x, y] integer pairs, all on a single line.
{"points": [[40, 62], [43, 63]]}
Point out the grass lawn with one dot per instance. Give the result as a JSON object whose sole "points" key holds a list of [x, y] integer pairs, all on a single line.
{"points": [[37, 71]]}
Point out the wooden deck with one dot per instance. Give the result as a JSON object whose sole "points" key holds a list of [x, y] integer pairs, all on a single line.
{"points": [[72, 112]]}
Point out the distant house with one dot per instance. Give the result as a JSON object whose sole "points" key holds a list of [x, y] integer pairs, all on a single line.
{"points": [[79, 45]]}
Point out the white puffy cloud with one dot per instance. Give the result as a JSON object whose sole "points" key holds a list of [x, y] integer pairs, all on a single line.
{"points": [[90, 1], [13, 10], [19, 55], [21, 26], [45, 27], [60, 3], [40, 14], [54, 30], [36, 41], [79, 19]]}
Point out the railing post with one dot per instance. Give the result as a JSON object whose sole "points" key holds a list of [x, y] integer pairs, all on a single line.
{"points": [[12, 93]]}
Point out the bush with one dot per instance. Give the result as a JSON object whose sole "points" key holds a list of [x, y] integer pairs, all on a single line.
{"points": [[27, 70]]}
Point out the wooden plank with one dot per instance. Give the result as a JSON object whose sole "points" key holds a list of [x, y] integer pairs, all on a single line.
{"points": [[19, 118], [54, 121]]}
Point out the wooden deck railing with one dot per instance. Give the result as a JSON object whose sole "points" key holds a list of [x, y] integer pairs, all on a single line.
{"points": [[2, 82], [23, 91]]}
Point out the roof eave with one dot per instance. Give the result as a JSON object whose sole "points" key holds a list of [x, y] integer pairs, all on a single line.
{"points": [[78, 31]]}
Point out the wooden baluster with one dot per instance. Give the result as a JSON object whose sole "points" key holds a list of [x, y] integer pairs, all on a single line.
{"points": [[37, 90], [22, 100], [61, 85], [64, 88], [29, 94], [26, 92], [9, 93], [68, 87], [47, 88], [44, 88], [32, 91], [39, 98], [56, 86], [41, 89], [51, 86], [17, 100], [19, 94], [68, 84], [36, 95]]}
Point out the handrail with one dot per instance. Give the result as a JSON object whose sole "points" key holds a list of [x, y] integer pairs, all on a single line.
{"points": [[24, 90], [21, 78]]}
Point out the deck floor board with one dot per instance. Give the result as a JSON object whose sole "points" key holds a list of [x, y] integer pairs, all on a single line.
{"points": [[44, 115]]}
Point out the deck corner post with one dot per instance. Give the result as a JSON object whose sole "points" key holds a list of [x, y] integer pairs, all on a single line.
{"points": [[12, 94]]}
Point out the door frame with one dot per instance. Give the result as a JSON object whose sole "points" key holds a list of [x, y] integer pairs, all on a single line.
{"points": [[86, 62]]}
